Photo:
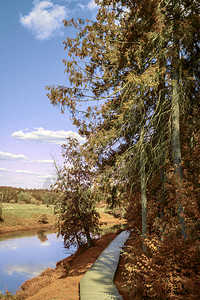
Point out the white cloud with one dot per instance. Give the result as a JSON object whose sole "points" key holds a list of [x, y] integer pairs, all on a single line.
{"points": [[27, 172], [41, 175], [47, 136], [45, 19], [81, 6], [46, 244], [5, 170], [45, 161], [92, 5], [30, 270], [23, 158], [47, 177], [11, 156]]}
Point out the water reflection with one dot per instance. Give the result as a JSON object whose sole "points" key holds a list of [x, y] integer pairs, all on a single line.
{"points": [[42, 236], [22, 233], [25, 257], [28, 270]]}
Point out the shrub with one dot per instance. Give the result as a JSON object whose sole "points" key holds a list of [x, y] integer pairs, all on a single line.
{"points": [[49, 198], [25, 197], [43, 219], [33, 201], [22, 202], [65, 267]]}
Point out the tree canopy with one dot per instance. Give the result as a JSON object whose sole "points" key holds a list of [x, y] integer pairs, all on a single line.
{"points": [[134, 93]]}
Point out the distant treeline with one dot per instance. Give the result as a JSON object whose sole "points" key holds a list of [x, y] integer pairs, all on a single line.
{"points": [[32, 196]]}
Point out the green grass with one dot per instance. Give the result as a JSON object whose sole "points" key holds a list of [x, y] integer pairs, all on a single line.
{"points": [[24, 216], [25, 211]]}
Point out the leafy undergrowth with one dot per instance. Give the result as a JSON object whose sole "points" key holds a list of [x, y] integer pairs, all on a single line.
{"points": [[169, 269]]}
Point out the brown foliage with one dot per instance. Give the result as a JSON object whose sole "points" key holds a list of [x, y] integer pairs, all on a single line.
{"points": [[168, 271], [170, 268]]}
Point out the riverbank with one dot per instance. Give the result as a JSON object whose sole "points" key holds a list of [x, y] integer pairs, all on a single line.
{"points": [[63, 281], [21, 217]]}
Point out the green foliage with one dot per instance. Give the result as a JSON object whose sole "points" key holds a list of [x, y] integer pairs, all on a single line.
{"points": [[49, 198], [78, 218], [8, 194], [24, 197], [38, 194]]}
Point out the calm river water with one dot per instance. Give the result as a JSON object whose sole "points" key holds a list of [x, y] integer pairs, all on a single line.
{"points": [[24, 257]]}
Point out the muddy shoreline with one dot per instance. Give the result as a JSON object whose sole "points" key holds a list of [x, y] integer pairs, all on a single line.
{"points": [[28, 229]]}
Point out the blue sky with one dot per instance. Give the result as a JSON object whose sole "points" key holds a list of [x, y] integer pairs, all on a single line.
{"points": [[31, 54]]}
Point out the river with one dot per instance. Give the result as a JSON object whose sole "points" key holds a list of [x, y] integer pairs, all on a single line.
{"points": [[26, 255]]}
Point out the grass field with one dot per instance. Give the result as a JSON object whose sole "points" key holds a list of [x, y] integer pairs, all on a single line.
{"points": [[25, 210], [24, 216]]}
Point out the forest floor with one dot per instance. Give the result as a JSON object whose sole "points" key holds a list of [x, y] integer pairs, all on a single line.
{"points": [[63, 281]]}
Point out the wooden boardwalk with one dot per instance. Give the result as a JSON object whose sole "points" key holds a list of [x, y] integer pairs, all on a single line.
{"points": [[97, 283]]}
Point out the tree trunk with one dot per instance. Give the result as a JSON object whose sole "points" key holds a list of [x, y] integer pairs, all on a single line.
{"points": [[89, 240], [161, 128], [143, 189], [192, 129], [175, 111], [78, 241]]}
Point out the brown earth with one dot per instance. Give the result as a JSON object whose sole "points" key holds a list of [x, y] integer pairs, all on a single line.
{"points": [[63, 281]]}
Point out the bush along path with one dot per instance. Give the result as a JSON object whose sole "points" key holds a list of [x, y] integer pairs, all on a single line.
{"points": [[97, 283]]}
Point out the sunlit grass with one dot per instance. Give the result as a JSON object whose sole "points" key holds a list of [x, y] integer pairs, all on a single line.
{"points": [[25, 210], [24, 216]]}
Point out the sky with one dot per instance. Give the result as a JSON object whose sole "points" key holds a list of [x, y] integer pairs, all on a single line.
{"points": [[31, 57]]}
